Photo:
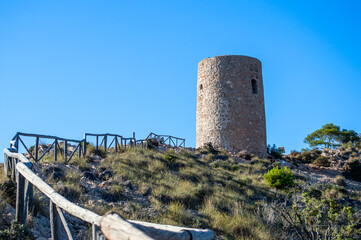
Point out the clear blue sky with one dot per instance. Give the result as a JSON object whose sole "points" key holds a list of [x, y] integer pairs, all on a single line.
{"points": [[69, 67]]}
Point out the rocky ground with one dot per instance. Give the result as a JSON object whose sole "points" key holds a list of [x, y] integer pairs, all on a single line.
{"points": [[96, 186]]}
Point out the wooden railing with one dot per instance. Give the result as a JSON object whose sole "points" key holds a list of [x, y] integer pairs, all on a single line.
{"points": [[167, 139], [115, 140], [79, 146], [110, 226]]}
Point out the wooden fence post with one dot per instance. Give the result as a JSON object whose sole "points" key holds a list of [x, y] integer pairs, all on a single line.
{"points": [[96, 147], [84, 142], [55, 222], [79, 153], [66, 151], [55, 149], [20, 215], [6, 165], [29, 193], [36, 149], [116, 144], [105, 142]]}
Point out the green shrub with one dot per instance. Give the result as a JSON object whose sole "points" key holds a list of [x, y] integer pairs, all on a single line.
{"points": [[322, 161], [16, 231], [274, 151], [152, 143], [280, 178], [340, 180], [170, 156], [352, 170]]}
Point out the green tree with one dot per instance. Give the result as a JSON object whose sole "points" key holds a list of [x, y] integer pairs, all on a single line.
{"points": [[349, 136], [331, 136], [327, 136]]}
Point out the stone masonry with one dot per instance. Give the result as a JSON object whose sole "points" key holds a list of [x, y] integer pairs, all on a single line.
{"points": [[230, 104]]}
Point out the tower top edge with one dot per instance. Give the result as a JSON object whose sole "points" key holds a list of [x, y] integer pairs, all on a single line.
{"points": [[229, 57]]}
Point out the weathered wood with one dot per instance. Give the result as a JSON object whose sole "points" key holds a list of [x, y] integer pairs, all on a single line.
{"points": [[66, 151], [65, 224], [47, 136], [84, 145], [47, 150], [72, 154], [20, 215], [115, 227], [36, 149], [105, 143], [55, 224], [195, 233], [79, 151], [6, 164], [116, 144], [26, 148], [97, 145], [56, 149], [97, 233], [56, 198]]}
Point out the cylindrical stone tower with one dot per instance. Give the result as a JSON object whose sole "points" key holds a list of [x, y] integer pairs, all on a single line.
{"points": [[230, 104]]}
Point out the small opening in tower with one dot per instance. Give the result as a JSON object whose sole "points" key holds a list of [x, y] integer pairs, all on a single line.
{"points": [[254, 87], [200, 87]]}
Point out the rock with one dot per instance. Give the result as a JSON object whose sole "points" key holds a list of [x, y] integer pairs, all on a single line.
{"points": [[89, 175], [147, 191], [128, 184], [56, 176], [287, 164], [304, 167], [104, 184], [106, 175], [244, 154]]}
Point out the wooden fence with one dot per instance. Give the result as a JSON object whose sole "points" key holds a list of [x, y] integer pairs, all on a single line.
{"points": [[167, 139], [110, 226], [116, 141]]}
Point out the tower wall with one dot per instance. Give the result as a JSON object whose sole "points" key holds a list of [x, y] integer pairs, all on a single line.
{"points": [[230, 104]]}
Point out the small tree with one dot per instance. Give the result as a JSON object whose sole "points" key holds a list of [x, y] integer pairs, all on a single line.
{"points": [[331, 136]]}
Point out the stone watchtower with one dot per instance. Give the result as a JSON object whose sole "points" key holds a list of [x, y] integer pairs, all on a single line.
{"points": [[230, 104]]}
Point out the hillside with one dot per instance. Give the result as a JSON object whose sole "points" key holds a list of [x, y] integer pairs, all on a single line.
{"points": [[204, 188]]}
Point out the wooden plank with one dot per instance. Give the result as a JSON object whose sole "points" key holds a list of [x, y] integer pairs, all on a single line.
{"points": [[66, 151], [47, 136], [36, 149], [56, 150], [195, 233], [6, 164], [115, 227], [97, 146], [56, 198], [65, 224], [47, 150], [79, 151], [72, 154], [20, 215], [84, 145], [55, 222], [26, 148]]}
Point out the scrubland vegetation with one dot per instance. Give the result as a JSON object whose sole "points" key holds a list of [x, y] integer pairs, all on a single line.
{"points": [[238, 197]]}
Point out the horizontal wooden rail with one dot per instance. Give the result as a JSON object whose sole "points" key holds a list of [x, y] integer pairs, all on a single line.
{"points": [[167, 138], [45, 136]]}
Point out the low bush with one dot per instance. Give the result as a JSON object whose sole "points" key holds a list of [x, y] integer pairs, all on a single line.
{"points": [[170, 156], [340, 180], [352, 170], [322, 161], [279, 178], [16, 231]]}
